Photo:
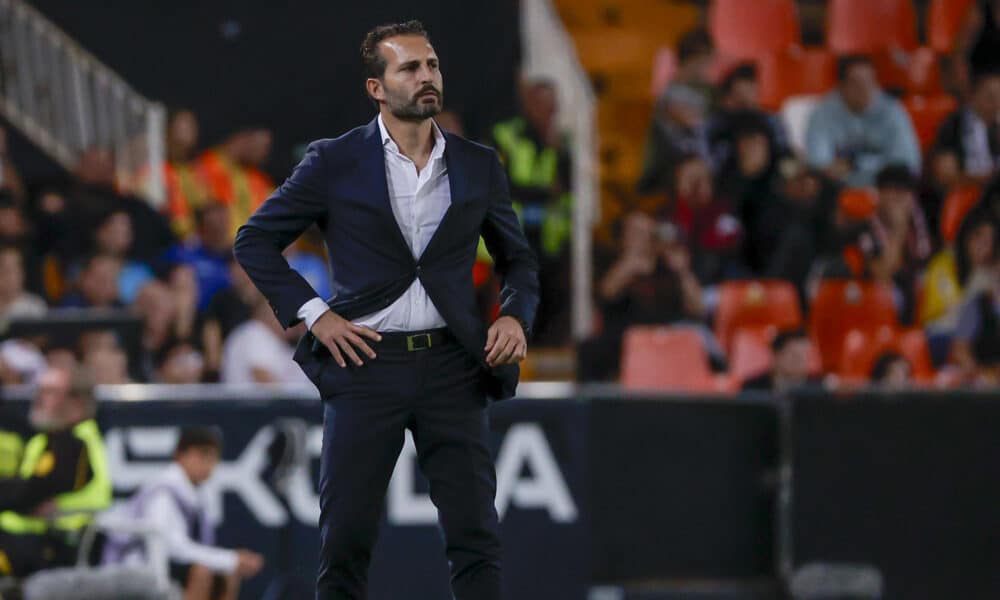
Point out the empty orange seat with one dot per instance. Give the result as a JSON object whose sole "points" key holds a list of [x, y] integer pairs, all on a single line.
{"points": [[666, 358], [842, 305], [755, 303], [857, 204], [958, 204], [863, 26], [927, 113], [744, 29], [795, 71], [944, 18]]}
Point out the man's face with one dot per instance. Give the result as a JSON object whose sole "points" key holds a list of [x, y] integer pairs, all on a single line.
{"points": [[859, 87], [792, 361], [411, 87], [744, 95], [986, 99], [115, 234], [183, 132], [99, 283], [540, 105], [198, 462], [52, 402]]}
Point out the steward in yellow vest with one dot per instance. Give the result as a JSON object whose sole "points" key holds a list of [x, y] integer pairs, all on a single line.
{"points": [[61, 482]]}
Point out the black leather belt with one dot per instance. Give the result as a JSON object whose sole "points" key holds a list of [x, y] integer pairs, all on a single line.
{"points": [[412, 341]]}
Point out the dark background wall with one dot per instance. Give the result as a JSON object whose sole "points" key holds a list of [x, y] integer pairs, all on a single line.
{"points": [[291, 65]]}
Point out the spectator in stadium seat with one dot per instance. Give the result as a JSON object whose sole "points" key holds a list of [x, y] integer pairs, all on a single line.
{"points": [[184, 189], [232, 172], [976, 345], [679, 128], [174, 503], [259, 350], [858, 129], [708, 222], [207, 252], [901, 229], [739, 97], [97, 284], [16, 229], [695, 59], [15, 302], [535, 155], [63, 467], [891, 372], [95, 195], [114, 237], [649, 282], [790, 367], [228, 309], [967, 147], [180, 363]]}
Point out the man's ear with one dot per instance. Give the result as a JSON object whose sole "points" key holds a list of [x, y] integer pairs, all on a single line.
{"points": [[375, 89]]}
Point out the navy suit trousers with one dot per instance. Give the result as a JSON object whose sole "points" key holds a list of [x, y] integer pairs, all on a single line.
{"points": [[439, 395]]}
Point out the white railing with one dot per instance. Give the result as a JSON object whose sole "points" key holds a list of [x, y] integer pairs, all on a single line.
{"points": [[66, 101], [548, 52]]}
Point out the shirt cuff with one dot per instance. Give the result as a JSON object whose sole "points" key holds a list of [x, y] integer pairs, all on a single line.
{"points": [[312, 310]]}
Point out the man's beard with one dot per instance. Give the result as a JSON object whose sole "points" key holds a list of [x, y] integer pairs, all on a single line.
{"points": [[413, 109]]}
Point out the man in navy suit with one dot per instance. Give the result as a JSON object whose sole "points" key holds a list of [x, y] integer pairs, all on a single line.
{"points": [[400, 344]]}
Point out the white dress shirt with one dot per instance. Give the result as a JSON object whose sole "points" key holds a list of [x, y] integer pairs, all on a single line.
{"points": [[419, 202], [162, 512]]}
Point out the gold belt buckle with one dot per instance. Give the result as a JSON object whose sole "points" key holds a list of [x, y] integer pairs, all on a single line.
{"points": [[411, 341]]}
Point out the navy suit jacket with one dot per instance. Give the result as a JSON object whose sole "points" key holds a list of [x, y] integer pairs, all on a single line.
{"points": [[341, 186]]}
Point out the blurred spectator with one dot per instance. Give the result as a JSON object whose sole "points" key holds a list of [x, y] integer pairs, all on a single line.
{"points": [[650, 282], [108, 365], [10, 181], [174, 504], [207, 253], [678, 129], [258, 351], [976, 346], [97, 284], [858, 129], [892, 373], [790, 367], [231, 172], [180, 363], [95, 196], [738, 98], [535, 156], [15, 302], [713, 233], [20, 362], [901, 229], [16, 230], [977, 43], [229, 308], [968, 141], [114, 237], [168, 311], [185, 190], [63, 466], [695, 59]]}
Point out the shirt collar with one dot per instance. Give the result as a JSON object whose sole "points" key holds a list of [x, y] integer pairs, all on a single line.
{"points": [[178, 479], [389, 144]]}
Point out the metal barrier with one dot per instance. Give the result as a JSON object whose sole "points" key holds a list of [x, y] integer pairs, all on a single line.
{"points": [[66, 101]]}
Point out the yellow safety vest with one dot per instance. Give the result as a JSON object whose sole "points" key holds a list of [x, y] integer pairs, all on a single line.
{"points": [[79, 504], [11, 448]]}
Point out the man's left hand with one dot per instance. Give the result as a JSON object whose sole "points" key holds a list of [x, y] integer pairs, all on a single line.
{"points": [[505, 342]]}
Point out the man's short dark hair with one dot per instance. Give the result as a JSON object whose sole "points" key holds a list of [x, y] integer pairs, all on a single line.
{"points": [[746, 71], [372, 61], [199, 437], [694, 43], [847, 62], [786, 337], [898, 177]]}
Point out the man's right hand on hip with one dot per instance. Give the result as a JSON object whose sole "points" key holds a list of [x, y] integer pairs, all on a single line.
{"points": [[342, 338]]}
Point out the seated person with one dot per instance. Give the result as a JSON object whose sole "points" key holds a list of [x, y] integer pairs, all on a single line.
{"points": [[739, 96], [649, 283], [976, 345], [892, 372], [61, 481], [790, 367], [858, 129], [967, 147], [174, 504]]}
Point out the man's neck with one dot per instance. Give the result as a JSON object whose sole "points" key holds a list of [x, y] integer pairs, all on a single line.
{"points": [[415, 139]]}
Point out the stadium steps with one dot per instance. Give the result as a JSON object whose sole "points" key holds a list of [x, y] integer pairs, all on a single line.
{"points": [[688, 590]]}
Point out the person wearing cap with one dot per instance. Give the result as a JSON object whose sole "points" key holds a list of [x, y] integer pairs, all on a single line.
{"points": [[62, 478]]}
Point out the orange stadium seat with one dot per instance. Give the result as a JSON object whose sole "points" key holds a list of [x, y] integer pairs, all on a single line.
{"points": [[746, 30], [842, 305], [927, 113], [944, 18], [958, 204], [669, 359], [855, 26], [913, 345], [862, 349], [857, 204], [751, 352], [795, 71], [755, 303]]}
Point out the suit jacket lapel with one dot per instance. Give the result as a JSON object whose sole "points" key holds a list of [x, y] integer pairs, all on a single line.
{"points": [[371, 167], [458, 180]]}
